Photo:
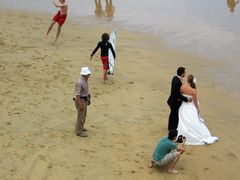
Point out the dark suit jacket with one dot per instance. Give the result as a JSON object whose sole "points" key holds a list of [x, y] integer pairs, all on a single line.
{"points": [[175, 99]]}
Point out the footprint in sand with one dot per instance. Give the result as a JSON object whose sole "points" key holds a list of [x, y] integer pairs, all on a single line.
{"points": [[29, 145], [8, 22], [216, 158], [181, 168], [131, 82], [206, 169], [139, 155], [233, 156], [7, 92], [8, 123], [13, 170], [118, 172], [43, 158], [190, 152], [41, 146], [2, 67], [136, 161], [92, 126], [113, 134], [50, 165], [2, 42]]}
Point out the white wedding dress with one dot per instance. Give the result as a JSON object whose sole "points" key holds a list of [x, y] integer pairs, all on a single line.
{"points": [[192, 126]]}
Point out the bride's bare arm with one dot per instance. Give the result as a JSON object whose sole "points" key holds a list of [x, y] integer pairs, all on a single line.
{"points": [[186, 90], [195, 100]]}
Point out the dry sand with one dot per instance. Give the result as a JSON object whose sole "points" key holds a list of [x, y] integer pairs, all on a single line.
{"points": [[127, 116]]}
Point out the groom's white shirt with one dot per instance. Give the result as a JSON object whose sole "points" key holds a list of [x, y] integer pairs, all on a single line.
{"points": [[180, 78]]}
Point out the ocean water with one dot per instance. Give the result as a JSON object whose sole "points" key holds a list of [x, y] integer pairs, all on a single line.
{"points": [[210, 28]]}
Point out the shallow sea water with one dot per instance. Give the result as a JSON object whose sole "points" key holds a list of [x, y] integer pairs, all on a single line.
{"points": [[208, 28]]}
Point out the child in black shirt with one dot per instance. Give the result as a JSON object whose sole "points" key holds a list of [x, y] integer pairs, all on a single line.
{"points": [[104, 45]]}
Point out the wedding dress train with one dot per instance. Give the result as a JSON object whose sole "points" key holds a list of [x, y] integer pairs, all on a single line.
{"points": [[192, 126]]}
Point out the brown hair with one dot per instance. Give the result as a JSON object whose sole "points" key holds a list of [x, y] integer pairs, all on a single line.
{"points": [[105, 37], [190, 79]]}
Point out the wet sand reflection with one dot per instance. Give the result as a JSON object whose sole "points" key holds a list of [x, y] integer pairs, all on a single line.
{"points": [[98, 10], [232, 4], [109, 8]]}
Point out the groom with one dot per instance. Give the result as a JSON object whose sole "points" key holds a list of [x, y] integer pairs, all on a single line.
{"points": [[175, 99]]}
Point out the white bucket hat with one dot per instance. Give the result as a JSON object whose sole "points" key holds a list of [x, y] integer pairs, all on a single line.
{"points": [[85, 71]]}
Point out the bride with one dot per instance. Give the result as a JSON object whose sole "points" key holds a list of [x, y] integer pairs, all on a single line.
{"points": [[191, 125]]}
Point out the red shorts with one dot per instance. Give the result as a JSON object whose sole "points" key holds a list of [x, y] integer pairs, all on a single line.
{"points": [[60, 18], [105, 62]]}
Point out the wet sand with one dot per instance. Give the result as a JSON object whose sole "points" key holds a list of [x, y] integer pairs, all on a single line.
{"points": [[127, 117]]}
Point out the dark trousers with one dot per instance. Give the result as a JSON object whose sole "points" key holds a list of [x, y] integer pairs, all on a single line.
{"points": [[173, 118]]}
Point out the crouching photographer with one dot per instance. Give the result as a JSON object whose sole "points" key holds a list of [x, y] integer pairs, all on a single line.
{"points": [[168, 151]]}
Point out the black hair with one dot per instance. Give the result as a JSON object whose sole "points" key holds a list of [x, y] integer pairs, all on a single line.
{"points": [[190, 81], [105, 37], [172, 134], [180, 71]]}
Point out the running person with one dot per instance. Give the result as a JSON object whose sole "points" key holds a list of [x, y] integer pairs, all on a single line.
{"points": [[60, 17]]}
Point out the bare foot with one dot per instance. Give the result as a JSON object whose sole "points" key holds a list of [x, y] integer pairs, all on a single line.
{"points": [[152, 164], [173, 171]]}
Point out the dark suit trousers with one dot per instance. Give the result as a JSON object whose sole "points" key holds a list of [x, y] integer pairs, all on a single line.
{"points": [[173, 118]]}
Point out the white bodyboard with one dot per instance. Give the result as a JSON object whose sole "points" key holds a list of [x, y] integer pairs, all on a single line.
{"points": [[111, 59]]}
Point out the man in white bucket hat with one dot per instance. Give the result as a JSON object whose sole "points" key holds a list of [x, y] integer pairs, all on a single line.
{"points": [[82, 101]]}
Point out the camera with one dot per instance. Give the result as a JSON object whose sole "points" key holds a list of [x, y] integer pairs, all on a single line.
{"points": [[180, 139]]}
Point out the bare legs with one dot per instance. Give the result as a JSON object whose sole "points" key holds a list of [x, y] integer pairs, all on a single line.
{"points": [[171, 168], [58, 32], [50, 28], [152, 164], [104, 76]]}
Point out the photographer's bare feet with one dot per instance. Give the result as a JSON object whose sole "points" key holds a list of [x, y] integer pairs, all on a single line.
{"points": [[151, 165], [173, 171]]}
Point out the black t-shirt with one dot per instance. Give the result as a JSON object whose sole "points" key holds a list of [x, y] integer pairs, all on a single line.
{"points": [[104, 46]]}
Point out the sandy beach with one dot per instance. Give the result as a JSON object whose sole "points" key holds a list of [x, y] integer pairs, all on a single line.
{"points": [[126, 119]]}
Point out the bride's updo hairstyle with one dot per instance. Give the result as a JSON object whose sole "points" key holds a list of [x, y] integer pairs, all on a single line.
{"points": [[191, 82]]}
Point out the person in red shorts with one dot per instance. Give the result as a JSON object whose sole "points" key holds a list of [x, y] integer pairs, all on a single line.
{"points": [[60, 17], [104, 45]]}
